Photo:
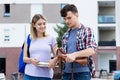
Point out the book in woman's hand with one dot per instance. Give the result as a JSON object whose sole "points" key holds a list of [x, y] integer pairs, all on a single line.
{"points": [[43, 64]]}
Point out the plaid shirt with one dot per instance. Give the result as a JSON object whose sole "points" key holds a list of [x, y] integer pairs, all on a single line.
{"points": [[84, 39]]}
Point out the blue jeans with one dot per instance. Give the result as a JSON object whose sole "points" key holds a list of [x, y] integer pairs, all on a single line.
{"points": [[27, 77], [77, 76]]}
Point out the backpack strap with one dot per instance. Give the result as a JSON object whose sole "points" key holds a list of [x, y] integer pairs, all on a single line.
{"points": [[28, 40], [28, 43]]}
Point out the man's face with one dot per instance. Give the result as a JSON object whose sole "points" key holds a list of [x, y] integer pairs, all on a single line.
{"points": [[71, 19]]}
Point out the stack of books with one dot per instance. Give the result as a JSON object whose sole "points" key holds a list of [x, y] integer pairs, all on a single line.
{"points": [[43, 64]]}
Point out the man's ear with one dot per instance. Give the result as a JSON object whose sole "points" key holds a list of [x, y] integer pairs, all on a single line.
{"points": [[77, 15]]}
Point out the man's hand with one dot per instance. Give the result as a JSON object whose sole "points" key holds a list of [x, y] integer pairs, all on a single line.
{"points": [[70, 57]]}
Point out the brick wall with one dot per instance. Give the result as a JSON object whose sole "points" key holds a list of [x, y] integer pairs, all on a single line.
{"points": [[12, 56], [118, 57]]}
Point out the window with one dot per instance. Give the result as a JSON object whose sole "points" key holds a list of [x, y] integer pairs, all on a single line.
{"points": [[62, 5], [106, 19], [2, 65], [62, 20], [7, 10]]}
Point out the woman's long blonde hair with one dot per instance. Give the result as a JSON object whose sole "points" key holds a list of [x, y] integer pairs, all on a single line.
{"points": [[33, 31]]}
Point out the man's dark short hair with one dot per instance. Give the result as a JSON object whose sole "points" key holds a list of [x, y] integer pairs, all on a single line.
{"points": [[68, 7]]}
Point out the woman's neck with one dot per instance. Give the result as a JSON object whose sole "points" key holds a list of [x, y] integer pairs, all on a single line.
{"points": [[40, 35]]}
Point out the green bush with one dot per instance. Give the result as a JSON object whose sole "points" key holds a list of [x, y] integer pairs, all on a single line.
{"points": [[60, 31]]}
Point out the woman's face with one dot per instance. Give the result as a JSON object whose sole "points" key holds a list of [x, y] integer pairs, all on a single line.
{"points": [[40, 26]]}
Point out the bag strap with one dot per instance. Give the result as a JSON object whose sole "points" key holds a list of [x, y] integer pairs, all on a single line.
{"points": [[28, 42], [72, 71], [72, 67]]}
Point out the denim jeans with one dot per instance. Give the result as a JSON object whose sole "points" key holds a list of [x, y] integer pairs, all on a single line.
{"points": [[77, 76], [27, 77]]}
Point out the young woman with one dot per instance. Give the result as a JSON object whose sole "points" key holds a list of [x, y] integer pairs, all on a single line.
{"points": [[41, 47]]}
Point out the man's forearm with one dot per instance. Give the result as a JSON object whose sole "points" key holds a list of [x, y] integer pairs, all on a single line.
{"points": [[84, 53]]}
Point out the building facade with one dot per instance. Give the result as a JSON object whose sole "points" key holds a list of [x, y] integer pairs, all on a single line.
{"points": [[102, 16]]}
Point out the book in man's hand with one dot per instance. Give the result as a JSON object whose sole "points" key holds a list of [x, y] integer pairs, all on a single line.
{"points": [[43, 64]]}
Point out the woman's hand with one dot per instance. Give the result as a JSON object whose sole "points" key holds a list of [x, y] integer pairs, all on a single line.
{"points": [[34, 61], [53, 62]]}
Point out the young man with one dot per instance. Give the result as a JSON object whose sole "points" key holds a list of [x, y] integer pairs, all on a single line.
{"points": [[78, 41]]}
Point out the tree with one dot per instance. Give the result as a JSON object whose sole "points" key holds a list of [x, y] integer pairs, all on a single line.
{"points": [[60, 31]]}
